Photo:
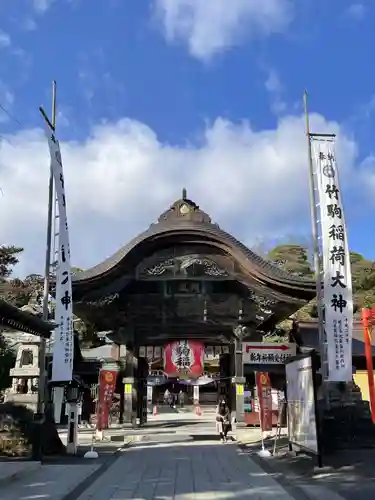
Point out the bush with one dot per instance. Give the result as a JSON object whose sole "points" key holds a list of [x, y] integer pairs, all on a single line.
{"points": [[16, 430]]}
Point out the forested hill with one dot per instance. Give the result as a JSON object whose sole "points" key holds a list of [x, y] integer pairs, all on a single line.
{"points": [[295, 259]]}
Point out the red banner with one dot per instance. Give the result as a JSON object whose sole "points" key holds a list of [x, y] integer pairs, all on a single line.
{"points": [[107, 386], [265, 400], [184, 358], [368, 321]]}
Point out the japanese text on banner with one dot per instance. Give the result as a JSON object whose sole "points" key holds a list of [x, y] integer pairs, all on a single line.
{"points": [[338, 296], [63, 345]]}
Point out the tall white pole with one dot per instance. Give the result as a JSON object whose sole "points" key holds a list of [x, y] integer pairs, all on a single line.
{"points": [[47, 270], [314, 231]]}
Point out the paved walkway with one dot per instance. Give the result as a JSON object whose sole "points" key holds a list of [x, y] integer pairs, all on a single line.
{"points": [[49, 482], [185, 470], [171, 461]]}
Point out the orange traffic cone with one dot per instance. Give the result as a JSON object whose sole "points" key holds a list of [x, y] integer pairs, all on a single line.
{"points": [[198, 411], [155, 412]]}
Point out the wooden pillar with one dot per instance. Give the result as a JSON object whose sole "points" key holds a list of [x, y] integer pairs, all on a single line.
{"points": [[225, 377], [238, 382], [130, 389], [141, 386]]}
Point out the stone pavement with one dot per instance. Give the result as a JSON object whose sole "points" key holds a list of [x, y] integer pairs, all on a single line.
{"points": [[58, 477], [11, 470], [170, 460], [49, 482], [196, 469]]}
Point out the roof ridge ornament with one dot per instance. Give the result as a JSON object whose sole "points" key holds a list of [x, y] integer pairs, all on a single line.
{"points": [[184, 209]]}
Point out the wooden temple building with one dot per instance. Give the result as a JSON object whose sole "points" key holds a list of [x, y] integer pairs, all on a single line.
{"points": [[184, 278]]}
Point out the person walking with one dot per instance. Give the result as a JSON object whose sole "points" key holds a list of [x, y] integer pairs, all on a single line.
{"points": [[181, 397], [167, 397], [223, 420]]}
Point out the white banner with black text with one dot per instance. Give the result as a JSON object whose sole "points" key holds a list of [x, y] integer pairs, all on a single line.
{"points": [[63, 344], [337, 292]]}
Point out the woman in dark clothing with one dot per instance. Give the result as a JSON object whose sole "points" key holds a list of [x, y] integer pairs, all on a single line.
{"points": [[223, 420]]}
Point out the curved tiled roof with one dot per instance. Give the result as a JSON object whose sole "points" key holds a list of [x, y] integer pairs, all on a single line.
{"points": [[198, 224], [24, 321]]}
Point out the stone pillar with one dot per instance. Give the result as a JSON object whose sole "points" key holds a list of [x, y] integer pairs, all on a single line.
{"points": [[196, 395], [122, 401], [130, 391], [225, 377], [141, 390], [150, 392], [238, 382]]}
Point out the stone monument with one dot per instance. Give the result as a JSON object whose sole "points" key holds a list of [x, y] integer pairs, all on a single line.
{"points": [[25, 374]]}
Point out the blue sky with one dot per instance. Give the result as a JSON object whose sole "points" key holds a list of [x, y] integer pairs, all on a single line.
{"points": [[199, 84]]}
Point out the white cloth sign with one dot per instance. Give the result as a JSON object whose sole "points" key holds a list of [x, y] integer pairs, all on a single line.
{"points": [[63, 344], [337, 292], [302, 429]]}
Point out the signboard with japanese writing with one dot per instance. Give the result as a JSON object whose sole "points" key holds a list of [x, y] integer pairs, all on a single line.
{"points": [[184, 358], [264, 394], [302, 425], [107, 386], [267, 353], [154, 353], [337, 292], [63, 342]]}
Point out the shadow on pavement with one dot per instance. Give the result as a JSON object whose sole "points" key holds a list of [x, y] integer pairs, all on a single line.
{"points": [[191, 470], [174, 424], [349, 473], [106, 452]]}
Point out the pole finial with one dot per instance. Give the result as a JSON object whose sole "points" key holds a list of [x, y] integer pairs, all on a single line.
{"points": [[184, 194]]}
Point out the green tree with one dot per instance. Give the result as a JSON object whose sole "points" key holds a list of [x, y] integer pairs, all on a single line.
{"points": [[363, 278], [9, 257], [294, 259], [7, 361], [291, 258], [76, 270]]}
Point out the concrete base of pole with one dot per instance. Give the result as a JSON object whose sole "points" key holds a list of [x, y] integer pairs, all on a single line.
{"points": [[72, 443], [37, 447], [91, 454], [263, 453], [344, 418]]}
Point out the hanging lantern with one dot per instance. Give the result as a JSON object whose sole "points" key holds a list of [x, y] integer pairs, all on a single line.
{"points": [[184, 359]]}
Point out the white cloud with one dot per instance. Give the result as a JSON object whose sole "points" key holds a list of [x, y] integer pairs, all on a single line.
{"points": [[275, 89], [356, 11], [29, 25], [42, 6], [253, 183], [6, 101], [210, 26], [4, 39]]}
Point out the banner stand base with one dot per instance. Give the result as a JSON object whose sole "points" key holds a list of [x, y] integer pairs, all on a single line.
{"points": [[91, 454], [263, 453]]}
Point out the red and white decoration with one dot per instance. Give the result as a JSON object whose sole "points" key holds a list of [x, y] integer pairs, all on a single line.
{"points": [[184, 358]]}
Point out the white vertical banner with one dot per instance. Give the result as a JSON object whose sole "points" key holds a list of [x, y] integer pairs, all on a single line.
{"points": [[63, 344], [337, 292]]}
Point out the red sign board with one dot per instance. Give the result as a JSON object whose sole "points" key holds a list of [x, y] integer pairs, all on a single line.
{"points": [[263, 384], [184, 358], [107, 386]]}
